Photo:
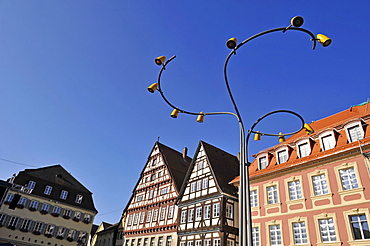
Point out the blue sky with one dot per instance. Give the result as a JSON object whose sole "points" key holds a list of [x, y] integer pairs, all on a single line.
{"points": [[74, 76]]}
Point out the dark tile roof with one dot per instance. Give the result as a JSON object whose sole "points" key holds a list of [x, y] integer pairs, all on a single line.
{"points": [[57, 177], [224, 167], [175, 163]]}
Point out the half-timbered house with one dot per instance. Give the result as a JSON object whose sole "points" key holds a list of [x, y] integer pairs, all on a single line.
{"points": [[150, 217], [207, 202]]}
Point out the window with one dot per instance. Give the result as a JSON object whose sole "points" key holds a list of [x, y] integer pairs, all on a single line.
{"points": [[295, 190], [191, 215], [33, 205], [45, 207], [63, 194], [319, 184], [49, 230], [207, 242], [253, 198], [170, 212], [229, 242], [168, 241], [148, 217], [139, 198], [13, 222], [132, 242], [164, 191], [25, 225], [355, 133], [38, 227], [205, 183], [183, 216], [199, 184], [56, 210], [77, 215], [79, 199], [272, 194], [61, 232], [255, 236], [163, 213], [200, 165], [216, 242], [87, 218], [142, 216], [262, 162], [136, 218], [152, 178], [152, 241], [207, 211], [9, 198], [348, 178], [146, 241], [304, 150], [31, 185], [22, 201], [360, 227], [155, 214], [72, 234], [193, 187], [198, 215], [190, 243], [229, 211], [275, 235], [48, 190], [182, 243], [139, 242], [154, 162], [328, 142], [282, 156], [198, 243], [160, 241], [327, 230], [67, 213], [151, 192], [300, 233], [2, 219], [216, 210]]}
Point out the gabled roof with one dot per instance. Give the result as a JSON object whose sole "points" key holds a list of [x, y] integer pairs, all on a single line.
{"points": [[177, 167], [57, 177], [224, 167], [336, 122]]}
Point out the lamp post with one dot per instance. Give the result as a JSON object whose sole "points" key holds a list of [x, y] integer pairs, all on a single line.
{"points": [[245, 221]]}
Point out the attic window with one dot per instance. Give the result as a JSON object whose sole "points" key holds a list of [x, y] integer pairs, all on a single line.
{"points": [[354, 131], [282, 156], [262, 162], [304, 148], [327, 140], [154, 162]]}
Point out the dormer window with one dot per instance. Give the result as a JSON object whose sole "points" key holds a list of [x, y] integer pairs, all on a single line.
{"points": [[282, 154], [327, 140], [304, 148], [262, 162], [354, 131], [31, 185]]}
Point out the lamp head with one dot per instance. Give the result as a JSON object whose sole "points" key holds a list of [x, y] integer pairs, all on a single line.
{"points": [[297, 21], [308, 128], [159, 60], [257, 136], [324, 40], [175, 113], [231, 43], [200, 117], [281, 137], [153, 87]]}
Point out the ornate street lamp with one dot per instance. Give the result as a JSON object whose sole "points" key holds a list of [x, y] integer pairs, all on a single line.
{"points": [[245, 221]]}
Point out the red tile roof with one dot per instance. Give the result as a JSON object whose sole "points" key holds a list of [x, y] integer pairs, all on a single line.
{"points": [[334, 122]]}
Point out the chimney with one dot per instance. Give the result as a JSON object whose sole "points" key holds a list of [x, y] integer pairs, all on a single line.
{"points": [[184, 153]]}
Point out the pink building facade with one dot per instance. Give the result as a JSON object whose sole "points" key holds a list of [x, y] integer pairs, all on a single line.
{"points": [[315, 189]]}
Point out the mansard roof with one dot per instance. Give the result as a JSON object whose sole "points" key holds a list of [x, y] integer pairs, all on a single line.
{"points": [[57, 177], [336, 123], [223, 165]]}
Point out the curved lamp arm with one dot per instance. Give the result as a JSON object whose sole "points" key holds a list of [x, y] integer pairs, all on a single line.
{"points": [[233, 52]]}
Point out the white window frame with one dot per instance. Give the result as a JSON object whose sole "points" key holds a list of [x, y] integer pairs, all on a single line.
{"points": [[193, 187], [254, 198], [183, 216], [170, 211], [149, 215], [48, 190], [142, 216], [295, 189], [79, 198], [207, 211], [327, 140], [63, 194], [191, 215], [282, 149], [360, 133], [229, 211], [163, 213], [198, 214], [31, 185], [205, 183], [272, 193], [263, 161], [275, 234], [216, 210], [307, 150]]}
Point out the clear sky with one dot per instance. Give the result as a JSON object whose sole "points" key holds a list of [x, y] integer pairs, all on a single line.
{"points": [[74, 76]]}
